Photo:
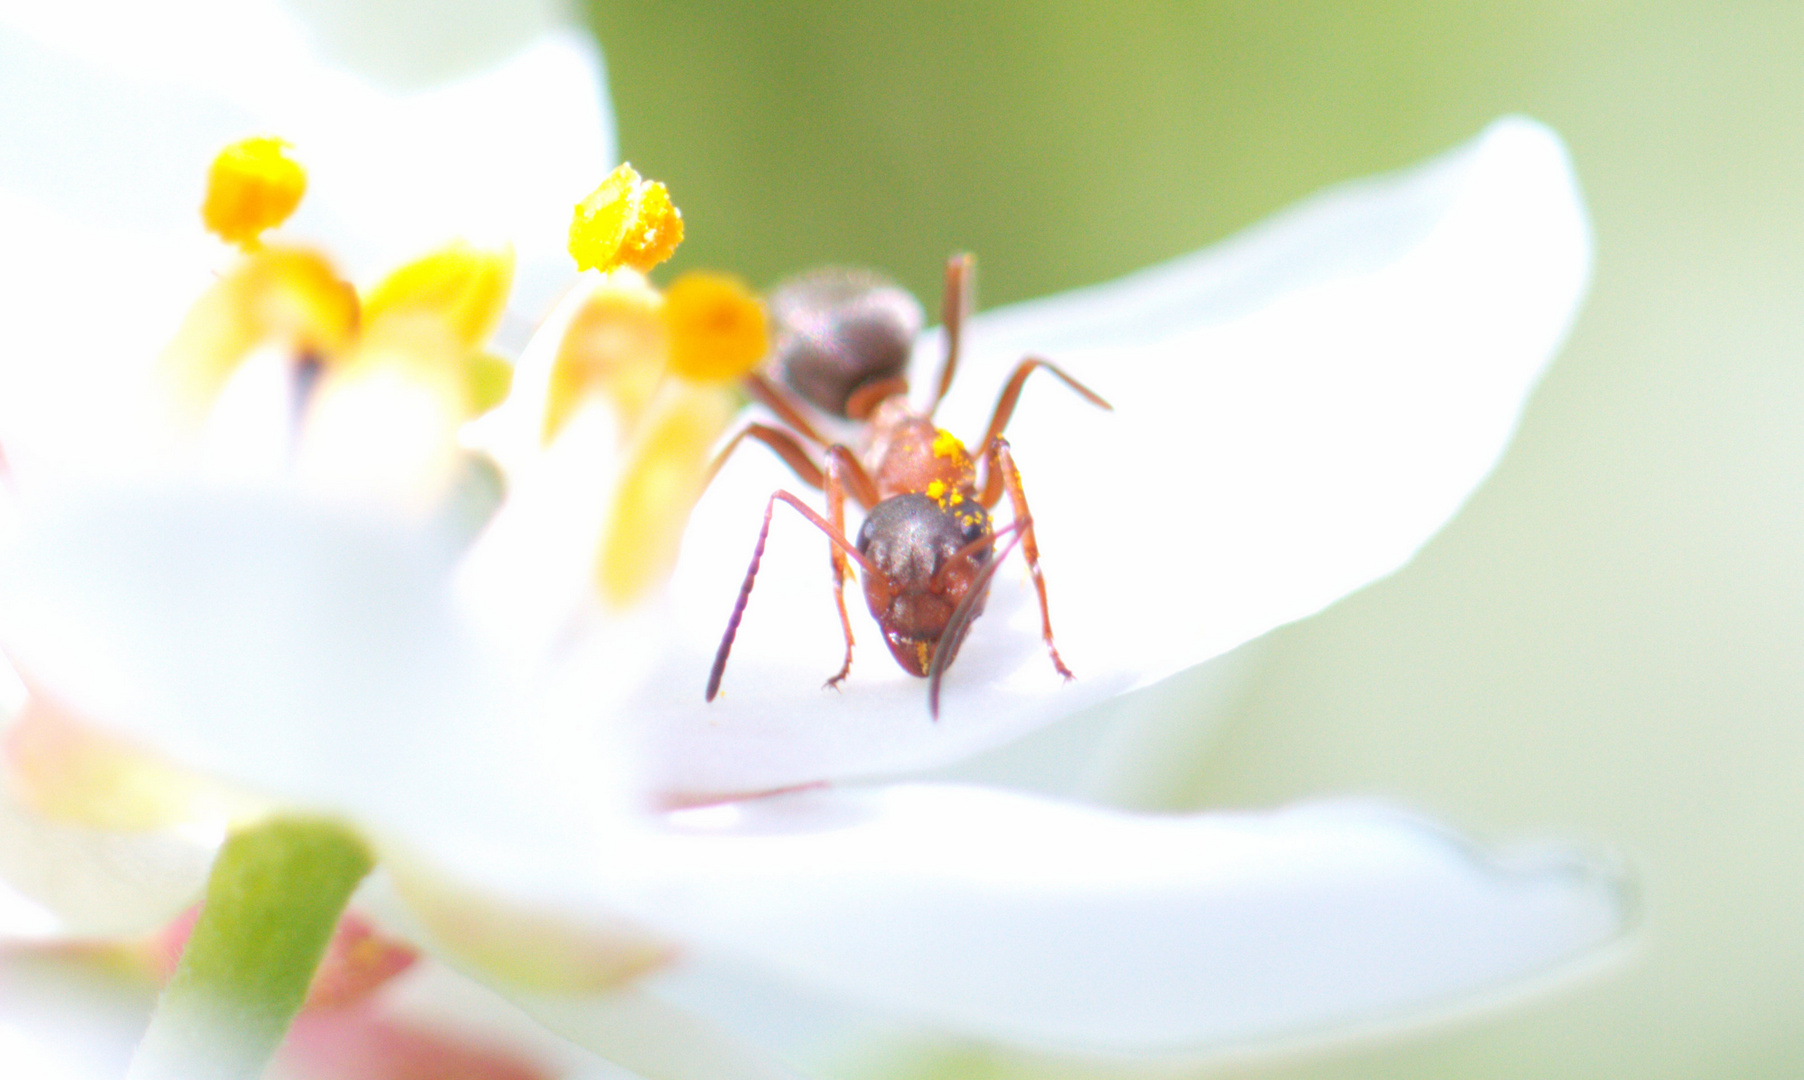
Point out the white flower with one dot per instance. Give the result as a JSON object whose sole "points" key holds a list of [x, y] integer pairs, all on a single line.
{"points": [[113, 112], [1295, 413]]}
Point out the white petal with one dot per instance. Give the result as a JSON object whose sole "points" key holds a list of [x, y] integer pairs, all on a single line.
{"points": [[1059, 926], [64, 1018], [1295, 413], [652, 1037], [400, 43], [67, 881], [117, 109], [306, 655]]}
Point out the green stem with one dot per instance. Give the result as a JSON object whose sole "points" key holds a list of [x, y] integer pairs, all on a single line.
{"points": [[273, 900]]}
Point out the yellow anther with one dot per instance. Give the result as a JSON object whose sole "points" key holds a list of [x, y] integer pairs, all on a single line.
{"points": [[716, 328], [627, 222], [252, 186], [462, 285], [666, 470], [614, 345], [276, 296]]}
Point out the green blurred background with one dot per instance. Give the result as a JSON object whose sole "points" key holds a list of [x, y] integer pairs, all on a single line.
{"points": [[1608, 642]]}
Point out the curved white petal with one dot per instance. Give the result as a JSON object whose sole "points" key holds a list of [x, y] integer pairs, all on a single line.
{"points": [[306, 654], [61, 881], [63, 1018], [1060, 926], [1295, 413], [652, 1037], [403, 44]]}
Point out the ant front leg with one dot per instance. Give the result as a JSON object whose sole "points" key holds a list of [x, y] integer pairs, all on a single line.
{"points": [[1002, 469], [1005, 411], [842, 549], [785, 446]]}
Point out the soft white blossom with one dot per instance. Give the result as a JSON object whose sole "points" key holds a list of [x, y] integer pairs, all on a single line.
{"points": [[1295, 412]]}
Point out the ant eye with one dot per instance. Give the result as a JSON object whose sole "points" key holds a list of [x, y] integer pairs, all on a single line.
{"points": [[973, 529]]}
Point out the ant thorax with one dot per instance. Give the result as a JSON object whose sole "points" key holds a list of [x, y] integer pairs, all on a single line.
{"points": [[919, 457]]}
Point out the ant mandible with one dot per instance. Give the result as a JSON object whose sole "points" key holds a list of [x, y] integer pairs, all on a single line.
{"points": [[927, 546]]}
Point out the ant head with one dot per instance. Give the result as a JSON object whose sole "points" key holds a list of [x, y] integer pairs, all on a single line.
{"points": [[838, 329], [928, 557]]}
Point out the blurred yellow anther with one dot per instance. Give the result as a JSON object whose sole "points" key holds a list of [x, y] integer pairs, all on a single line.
{"points": [[462, 285], [666, 470], [627, 222], [277, 296], [614, 345], [716, 328], [252, 186]]}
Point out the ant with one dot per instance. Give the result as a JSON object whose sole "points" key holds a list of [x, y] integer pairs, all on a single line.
{"points": [[927, 547]]}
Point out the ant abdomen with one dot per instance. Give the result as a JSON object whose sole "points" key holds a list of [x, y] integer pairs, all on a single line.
{"points": [[838, 329]]}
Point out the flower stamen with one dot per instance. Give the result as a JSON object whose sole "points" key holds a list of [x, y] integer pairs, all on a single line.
{"points": [[626, 221], [252, 186], [717, 328]]}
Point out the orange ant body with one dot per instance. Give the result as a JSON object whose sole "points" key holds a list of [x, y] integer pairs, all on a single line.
{"points": [[927, 546]]}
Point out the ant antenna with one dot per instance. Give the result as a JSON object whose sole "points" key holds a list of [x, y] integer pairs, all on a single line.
{"points": [[963, 615]]}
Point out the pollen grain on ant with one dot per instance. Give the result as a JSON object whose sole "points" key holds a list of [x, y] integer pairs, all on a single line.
{"points": [[927, 550]]}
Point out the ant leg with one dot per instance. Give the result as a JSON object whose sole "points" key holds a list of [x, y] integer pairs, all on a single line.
{"points": [[1003, 465], [778, 440], [793, 455], [838, 459], [840, 543], [781, 402], [1005, 411], [955, 308]]}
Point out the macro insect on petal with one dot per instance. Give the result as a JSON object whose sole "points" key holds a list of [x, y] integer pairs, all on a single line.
{"points": [[927, 548]]}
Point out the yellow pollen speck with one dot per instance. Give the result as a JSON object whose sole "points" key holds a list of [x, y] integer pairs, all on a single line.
{"points": [[946, 444], [253, 185], [715, 328], [936, 490], [626, 221]]}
